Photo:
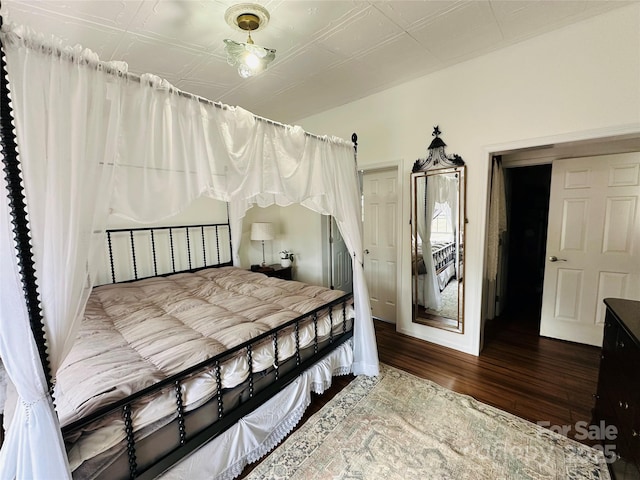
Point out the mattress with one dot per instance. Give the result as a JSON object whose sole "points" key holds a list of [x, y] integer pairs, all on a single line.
{"points": [[136, 334]]}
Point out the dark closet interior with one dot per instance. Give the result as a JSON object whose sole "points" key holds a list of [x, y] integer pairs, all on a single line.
{"points": [[527, 190]]}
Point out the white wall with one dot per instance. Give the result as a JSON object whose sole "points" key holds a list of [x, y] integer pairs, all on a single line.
{"points": [[579, 81], [298, 229]]}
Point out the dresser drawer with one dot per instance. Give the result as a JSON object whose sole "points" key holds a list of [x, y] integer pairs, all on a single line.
{"points": [[610, 334], [618, 395]]}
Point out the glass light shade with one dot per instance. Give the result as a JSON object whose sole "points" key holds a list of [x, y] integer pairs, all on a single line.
{"points": [[250, 59]]}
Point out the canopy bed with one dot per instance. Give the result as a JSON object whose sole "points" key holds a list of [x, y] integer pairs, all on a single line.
{"points": [[82, 140]]}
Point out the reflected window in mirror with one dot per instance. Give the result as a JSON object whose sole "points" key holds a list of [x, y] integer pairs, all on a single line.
{"points": [[437, 233]]}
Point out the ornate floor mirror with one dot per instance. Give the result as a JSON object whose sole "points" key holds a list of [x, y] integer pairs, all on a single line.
{"points": [[437, 238]]}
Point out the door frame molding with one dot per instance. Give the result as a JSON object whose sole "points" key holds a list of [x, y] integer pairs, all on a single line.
{"points": [[391, 165], [579, 138]]}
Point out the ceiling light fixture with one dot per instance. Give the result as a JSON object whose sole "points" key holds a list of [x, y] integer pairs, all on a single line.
{"points": [[251, 59]]}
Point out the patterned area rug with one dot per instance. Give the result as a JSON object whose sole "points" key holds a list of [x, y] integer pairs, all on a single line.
{"points": [[398, 426]]}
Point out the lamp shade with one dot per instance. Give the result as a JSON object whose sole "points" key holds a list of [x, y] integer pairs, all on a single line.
{"points": [[262, 231]]}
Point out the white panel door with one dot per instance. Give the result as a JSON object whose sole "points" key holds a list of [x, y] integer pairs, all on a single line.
{"points": [[341, 268], [380, 193], [593, 243]]}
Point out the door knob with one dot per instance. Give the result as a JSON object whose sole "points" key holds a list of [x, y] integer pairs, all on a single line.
{"points": [[553, 258], [367, 251]]}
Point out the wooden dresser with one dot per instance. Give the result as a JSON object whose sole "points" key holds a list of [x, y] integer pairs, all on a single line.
{"points": [[618, 395]]}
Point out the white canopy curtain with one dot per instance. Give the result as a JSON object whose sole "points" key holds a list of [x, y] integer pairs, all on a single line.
{"points": [[440, 189], [496, 228], [426, 200], [33, 447], [93, 141], [58, 101]]}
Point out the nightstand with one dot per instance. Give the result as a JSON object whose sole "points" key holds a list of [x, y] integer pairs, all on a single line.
{"points": [[278, 271]]}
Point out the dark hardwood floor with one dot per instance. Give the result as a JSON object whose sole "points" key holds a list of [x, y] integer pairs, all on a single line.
{"points": [[536, 378]]}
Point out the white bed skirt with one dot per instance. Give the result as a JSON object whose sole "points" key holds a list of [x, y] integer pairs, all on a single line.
{"points": [[256, 434]]}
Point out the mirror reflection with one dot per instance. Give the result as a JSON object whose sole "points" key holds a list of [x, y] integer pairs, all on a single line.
{"points": [[437, 233]]}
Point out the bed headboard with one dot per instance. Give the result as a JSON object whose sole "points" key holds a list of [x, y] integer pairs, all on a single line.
{"points": [[137, 253]]}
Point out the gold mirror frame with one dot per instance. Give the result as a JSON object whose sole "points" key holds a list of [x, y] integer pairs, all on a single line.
{"points": [[438, 297]]}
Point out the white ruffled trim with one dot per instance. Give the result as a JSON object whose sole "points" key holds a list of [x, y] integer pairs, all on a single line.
{"points": [[319, 387], [159, 83], [21, 36], [281, 431], [291, 420], [260, 432], [272, 441]]}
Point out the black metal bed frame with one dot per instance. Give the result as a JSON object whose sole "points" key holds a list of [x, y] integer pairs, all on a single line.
{"points": [[444, 256], [224, 419], [132, 234]]}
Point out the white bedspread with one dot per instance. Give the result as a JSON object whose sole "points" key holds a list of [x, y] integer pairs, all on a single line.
{"points": [[139, 333]]}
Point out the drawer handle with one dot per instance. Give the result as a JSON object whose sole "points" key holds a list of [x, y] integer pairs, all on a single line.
{"points": [[620, 344], [634, 433], [624, 405]]}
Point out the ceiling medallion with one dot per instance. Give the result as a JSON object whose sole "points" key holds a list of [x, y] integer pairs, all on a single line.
{"points": [[251, 59]]}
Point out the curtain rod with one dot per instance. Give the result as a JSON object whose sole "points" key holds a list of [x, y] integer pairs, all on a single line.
{"points": [[11, 27]]}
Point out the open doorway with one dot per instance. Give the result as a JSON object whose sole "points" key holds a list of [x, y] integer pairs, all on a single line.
{"points": [[522, 252], [520, 283], [527, 203]]}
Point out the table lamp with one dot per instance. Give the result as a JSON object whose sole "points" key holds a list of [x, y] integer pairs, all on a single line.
{"points": [[262, 231]]}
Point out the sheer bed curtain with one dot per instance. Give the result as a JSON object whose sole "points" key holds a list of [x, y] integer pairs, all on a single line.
{"points": [[86, 132], [66, 117], [427, 190], [34, 427], [269, 165]]}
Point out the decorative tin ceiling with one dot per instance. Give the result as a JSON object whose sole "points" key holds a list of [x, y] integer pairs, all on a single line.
{"points": [[328, 52]]}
